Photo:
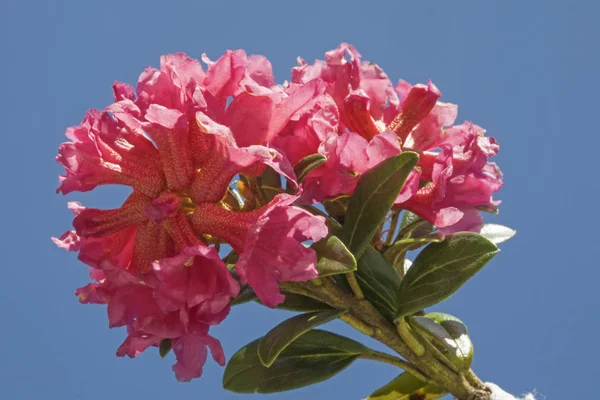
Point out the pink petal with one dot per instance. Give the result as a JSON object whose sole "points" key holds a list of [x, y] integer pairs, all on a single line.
{"points": [[105, 150], [274, 251], [357, 107], [100, 223], [224, 76], [136, 343], [418, 104], [162, 207], [191, 352], [169, 130], [123, 91], [471, 221], [196, 276]]}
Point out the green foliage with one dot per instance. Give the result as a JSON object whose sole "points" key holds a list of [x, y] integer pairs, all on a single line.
{"points": [[373, 197], [441, 269], [280, 337], [407, 387], [314, 357], [449, 335], [307, 164]]}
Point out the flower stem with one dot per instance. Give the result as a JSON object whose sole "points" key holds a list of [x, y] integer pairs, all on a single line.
{"points": [[393, 226], [397, 362], [409, 339], [351, 278], [474, 380], [385, 332]]}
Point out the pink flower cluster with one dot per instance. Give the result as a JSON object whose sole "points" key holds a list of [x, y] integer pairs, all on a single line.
{"points": [[183, 134]]}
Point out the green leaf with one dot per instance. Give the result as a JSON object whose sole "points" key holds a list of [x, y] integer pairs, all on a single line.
{"points": [[333, 257], [375, 193], [449, 335], [314, 357], [497, 233], [379, 282], [414, 226], [270, 178], [280, 337], [407, 265], [395, 254], [164, 348], [299, 303], [307, 164], [292, 302], [245, 295], [337, 207], [441, 269], [407, 387]]}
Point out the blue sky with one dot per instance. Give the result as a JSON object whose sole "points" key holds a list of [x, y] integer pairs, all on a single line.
{"points": [[526, 71]]}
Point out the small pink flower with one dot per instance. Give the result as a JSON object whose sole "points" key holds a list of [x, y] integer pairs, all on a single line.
{"points": [[269, 242], [417, 105], [178, 300], [362, 91], [187, 281], [462, 181], [348, 157], [191, 352], [310, 126]]}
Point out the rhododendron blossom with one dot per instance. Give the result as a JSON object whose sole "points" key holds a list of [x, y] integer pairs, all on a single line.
{"points": [[176, 145], [211, 158], [370, 107]]}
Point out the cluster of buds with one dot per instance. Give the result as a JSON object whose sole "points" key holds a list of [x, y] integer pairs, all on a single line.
{"points": [[234, 177]]}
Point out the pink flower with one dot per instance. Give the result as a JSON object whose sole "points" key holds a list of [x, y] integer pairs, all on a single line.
{"points": [[178, 301], [362, 91], [418, 104], [316, 123], [348, 157], [189, 281], [428, 133], [191, 352], [112, 147], [463, 181], [178, 144], [269, 242], [369, 107]]}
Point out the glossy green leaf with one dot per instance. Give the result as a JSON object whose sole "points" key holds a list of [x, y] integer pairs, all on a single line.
{"points": [[379, 282], [407, 387], [441, 269], [337, 207], [271, 191], [395, 254], [280, 337], [407, 265], [245, 295], [497, 233], [375, 193], [164, 348], [414, 226], [314, 357], [449, 335], [307, 164], [270, 178], [333, 257]]}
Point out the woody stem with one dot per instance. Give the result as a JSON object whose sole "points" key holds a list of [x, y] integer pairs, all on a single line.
{"points": [[366, 319]]}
